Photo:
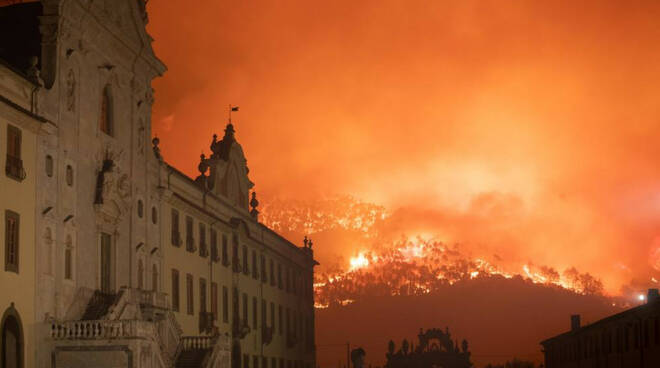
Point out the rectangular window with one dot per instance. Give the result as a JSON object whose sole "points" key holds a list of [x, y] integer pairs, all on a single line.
{"points": [[273, 362], [272, 315], [214, 300], [254, 313], [287, 274], [106, 263], [263, 269], [14, 162], [12, 228], [225, 255], [279, 275], [264, 362], [190, 239], [214, 245], [264, 313], [105, 121], [288, 321], [279, 317], [68, 261], [246, 361], [175, 290], [236, 262], [272, 273], [234, 305], [176, 236], [225, 305], [255, 270], [203, 251], [255, 362], [202, 295], [246, 269], [189, 293], [245, 308]]}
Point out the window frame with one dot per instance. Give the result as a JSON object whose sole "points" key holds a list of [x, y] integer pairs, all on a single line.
{"points": [[225, 304], [190, 295], [68, 258], [214, 300], [176, 292], [49, 166], [175, 234], [12, 240], [190, 234], [202, 295], [106, 116], [69, 176]]}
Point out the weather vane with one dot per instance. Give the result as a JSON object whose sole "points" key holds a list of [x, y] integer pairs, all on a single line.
{"points": [[232, 109]]}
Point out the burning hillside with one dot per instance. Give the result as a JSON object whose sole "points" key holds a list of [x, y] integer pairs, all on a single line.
{"points": [[312, 217], [418, 267], [377, 265]]}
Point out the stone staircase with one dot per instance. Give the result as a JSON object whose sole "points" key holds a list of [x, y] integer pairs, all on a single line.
{"points": [[99, 305], [140, 320]]}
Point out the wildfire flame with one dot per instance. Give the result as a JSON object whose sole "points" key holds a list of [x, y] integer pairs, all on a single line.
{"points": [[359, 262], [411, 265], [417, 267]]}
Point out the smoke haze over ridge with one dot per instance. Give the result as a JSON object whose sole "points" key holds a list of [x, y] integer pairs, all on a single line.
{"points": [[527, 130]]}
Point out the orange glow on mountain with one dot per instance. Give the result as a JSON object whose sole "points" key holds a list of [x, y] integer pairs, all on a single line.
{"points": [[524, 132]]}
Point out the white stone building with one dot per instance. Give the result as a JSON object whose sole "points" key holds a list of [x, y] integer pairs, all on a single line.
{"points": [[133, 264]]}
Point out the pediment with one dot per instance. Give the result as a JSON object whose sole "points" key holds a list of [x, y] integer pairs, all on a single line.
{"points": [[128, 19]]}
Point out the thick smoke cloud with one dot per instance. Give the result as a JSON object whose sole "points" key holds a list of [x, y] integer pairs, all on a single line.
{"points": [[526, 130]]}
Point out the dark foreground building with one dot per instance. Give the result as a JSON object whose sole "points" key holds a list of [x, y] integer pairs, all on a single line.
{"points": [[435, 348], [629, 339]]}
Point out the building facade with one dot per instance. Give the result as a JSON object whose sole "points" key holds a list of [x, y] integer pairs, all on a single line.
{"points": [[630, 339], [121, 259], [19, 132]]}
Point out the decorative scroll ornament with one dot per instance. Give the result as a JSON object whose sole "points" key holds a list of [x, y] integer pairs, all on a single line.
{"points": [[113, 187]]}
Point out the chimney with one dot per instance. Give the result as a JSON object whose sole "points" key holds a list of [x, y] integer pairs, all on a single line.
{"points": [[653, 296], [575, 322]]}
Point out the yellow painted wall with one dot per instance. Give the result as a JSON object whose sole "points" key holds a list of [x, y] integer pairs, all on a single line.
{"points": [[192, 263], [20, 198]]}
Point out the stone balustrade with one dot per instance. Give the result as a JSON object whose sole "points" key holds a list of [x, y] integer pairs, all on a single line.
{"points": [[197, 342], [151, 298], [101, 329]]}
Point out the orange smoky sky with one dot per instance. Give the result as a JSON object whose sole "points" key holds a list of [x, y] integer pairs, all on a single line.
{"points": [[528, 129]]}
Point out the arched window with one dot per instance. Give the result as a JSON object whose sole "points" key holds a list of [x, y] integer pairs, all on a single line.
{"points": [[68, 258], [106, 123], [154, 215], [48, 251], [12, 339], [140, 208], [154, 278], [140, 274]]}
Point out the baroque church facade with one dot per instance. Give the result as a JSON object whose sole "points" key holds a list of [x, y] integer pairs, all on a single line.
{"points": [[114, 258]]}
